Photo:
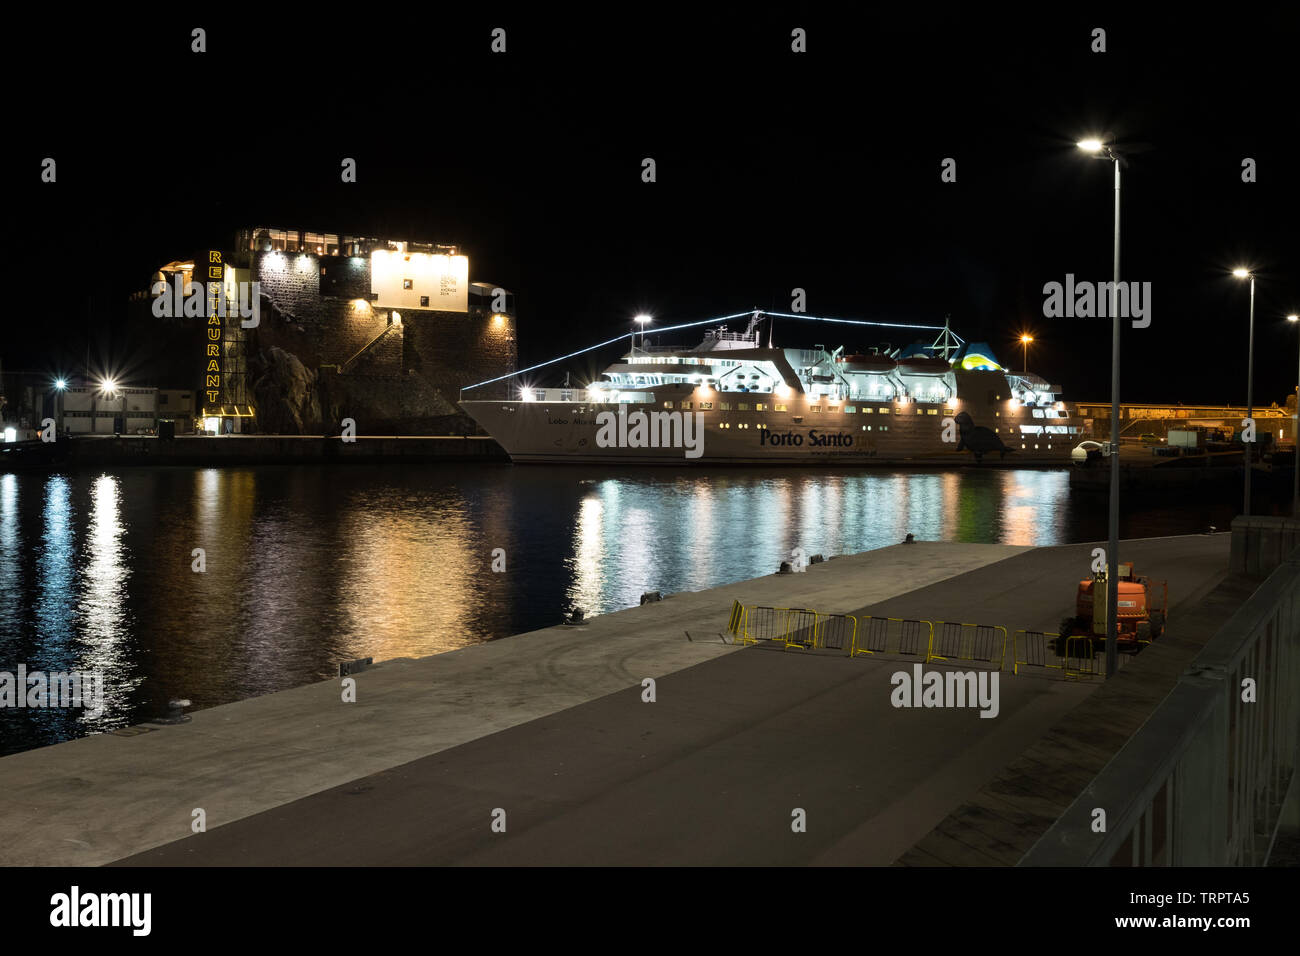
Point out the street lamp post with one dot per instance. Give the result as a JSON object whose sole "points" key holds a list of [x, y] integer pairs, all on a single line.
{"points": [[1098, 148], [1246, 447], [641, 320], [1295, 478], [1024, 342], [60, 386], [108, 388]]}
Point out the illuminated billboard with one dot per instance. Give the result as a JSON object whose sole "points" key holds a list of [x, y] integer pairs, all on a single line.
{"points": [[419, 280]]}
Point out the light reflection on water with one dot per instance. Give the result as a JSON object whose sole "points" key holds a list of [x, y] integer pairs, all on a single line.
{"points": [[11, 591], [306, 567]]}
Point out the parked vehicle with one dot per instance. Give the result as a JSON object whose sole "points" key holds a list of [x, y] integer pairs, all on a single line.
{"points": [[1143, 605]]}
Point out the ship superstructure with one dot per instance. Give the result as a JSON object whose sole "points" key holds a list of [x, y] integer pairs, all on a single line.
{"points": [[731, 399]]}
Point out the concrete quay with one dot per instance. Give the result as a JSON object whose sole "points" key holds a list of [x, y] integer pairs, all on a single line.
{"points": [[551, 728]]}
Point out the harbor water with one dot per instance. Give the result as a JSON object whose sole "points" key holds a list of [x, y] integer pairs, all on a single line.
{"points": [[303, 567]]}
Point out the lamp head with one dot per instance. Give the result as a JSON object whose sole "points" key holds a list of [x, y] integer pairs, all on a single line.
{"points": [[1099, 150]]}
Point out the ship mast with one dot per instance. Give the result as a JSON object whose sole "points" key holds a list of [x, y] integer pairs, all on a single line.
{"points": [[945, 343]]}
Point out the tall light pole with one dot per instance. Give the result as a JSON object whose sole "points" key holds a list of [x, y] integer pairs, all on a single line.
{"points": [[1295, 479], [1250, 385], [60, 386], [641, 320], [108, 388], [1024, 342], [1098, 148]]}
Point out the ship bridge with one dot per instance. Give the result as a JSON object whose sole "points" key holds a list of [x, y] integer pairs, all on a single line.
{"points": [[741, 370]]}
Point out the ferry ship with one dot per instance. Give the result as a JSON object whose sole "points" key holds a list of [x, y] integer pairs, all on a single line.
{"points": [[730, 400]]}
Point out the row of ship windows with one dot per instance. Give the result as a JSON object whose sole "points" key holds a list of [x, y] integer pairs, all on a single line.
{"points": [[1039, 430], [759, 407], [865, 428], [883, 428], [850, 409], [798, 419]]}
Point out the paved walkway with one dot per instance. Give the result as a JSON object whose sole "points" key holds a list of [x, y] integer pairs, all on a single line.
{"points": [[101, 798], [713, 770]]}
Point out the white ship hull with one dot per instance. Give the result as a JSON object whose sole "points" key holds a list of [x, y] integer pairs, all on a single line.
{"points": [[552, 432]]}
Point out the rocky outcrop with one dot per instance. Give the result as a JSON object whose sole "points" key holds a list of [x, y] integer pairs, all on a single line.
{"points": [[285, 393]]}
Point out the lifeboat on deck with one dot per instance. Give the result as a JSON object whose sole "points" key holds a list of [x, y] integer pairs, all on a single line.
{"points": [[871, 364], [920, 365]]}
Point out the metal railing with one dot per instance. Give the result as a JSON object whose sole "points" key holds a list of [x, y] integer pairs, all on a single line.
{"points": [[955, 641], [1081, 657], [836, 632], [905, 637], [366, 348], [1033, 648], [1203, 781], [796, 627]]}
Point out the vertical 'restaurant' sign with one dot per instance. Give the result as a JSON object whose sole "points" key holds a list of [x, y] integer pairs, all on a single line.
{"points": [[215, 288]]}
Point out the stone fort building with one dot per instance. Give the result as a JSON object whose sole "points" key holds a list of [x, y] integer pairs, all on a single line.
{"points": [[385, 332]]}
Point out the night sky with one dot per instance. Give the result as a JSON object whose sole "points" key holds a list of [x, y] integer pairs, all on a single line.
{"points": [[775, 170]]}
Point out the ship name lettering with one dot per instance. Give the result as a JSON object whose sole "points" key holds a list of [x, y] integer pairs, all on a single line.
{"points": [[837, 440]]}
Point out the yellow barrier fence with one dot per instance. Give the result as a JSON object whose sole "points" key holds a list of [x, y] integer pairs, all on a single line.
{"points": [[800, 627], [1081, 658], [758, 624], [796, 627], [1034, 649], [893, 635], [944, 641], [836, 632], [737, 623], [954, 641]]}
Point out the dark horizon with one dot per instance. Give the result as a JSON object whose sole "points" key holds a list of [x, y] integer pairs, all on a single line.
{"points": [[819, 171]]}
